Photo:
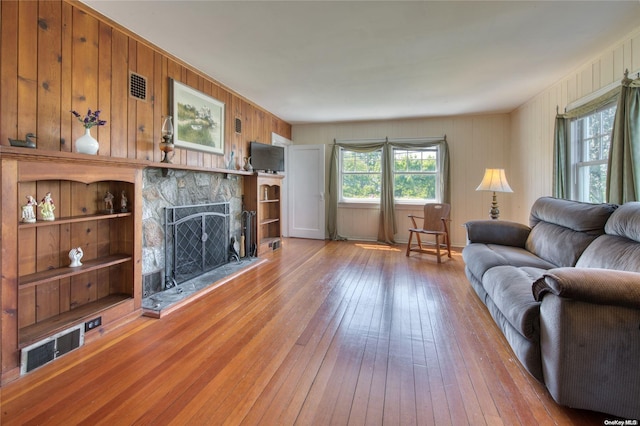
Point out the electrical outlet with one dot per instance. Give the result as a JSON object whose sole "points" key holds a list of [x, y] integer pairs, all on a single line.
{"points": [[91, 324]]}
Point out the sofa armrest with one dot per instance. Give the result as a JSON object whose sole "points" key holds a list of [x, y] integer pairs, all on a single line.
{"points": [[497, 232], [598, 286]]}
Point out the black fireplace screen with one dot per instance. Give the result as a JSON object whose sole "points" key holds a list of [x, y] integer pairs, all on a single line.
{"points": [[197, 239]]}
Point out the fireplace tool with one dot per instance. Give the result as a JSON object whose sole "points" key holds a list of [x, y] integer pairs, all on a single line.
{"points": [[249, 244]]}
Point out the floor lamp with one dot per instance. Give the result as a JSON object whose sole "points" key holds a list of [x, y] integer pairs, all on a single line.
{"points": [[494, 180]]}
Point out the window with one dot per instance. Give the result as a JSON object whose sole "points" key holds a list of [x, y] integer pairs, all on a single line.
{"points": [[591, 139], [360, 175], [416, 175]]}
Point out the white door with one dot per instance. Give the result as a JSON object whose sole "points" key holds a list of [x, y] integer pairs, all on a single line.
{"points": [[306, 191]]}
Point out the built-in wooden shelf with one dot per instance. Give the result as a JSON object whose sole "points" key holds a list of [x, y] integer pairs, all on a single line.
{"points": [[264, 196], [39, 305], [73, 219], [267, 221], [50, 326], [66, 272]]}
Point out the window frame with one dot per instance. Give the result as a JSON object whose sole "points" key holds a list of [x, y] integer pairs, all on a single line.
{"points": [[342, 200], [437, 173], [347, 200], [577, 185]]}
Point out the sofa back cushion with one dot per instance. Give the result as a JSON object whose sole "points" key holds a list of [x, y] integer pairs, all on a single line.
{"points": [[625, 222], [619, 248], [562, 229]]}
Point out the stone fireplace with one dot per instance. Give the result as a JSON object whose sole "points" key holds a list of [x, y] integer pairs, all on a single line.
{"points": [[185, 192]]}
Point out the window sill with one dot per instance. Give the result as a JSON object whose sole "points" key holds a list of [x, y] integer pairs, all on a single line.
{"points": [[376, 205], [359, 205]]}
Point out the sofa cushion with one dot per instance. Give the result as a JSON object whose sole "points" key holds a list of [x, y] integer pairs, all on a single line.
{"points": [[624, 222], [582, 217], [619, 248], [556, 244], [562, 229], [510, 290], [479, 258], [611, 252]]}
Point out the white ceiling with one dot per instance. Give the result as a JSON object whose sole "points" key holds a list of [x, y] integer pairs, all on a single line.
{"points": [[325, 61]]}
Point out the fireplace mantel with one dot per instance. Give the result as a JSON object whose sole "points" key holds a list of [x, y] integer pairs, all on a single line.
{"points": [[61, 156]]}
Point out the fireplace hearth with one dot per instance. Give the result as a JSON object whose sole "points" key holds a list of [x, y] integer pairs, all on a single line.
{"points": [[164, 302]]}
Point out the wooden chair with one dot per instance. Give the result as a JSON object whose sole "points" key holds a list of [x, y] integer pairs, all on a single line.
{"points": [[435, 222]]}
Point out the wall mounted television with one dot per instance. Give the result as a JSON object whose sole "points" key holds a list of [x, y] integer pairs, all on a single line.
{"points": [[268, 158]]}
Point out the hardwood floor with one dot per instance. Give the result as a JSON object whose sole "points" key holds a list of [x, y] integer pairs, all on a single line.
{"points": [[323, 333]]}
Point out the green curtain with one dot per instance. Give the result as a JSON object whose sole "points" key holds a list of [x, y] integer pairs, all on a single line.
{"points": [[562, 141], [623, 176], [387, 224], [561, 158], [332, 225]]}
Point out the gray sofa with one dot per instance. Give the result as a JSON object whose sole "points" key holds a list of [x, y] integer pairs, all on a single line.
{"points": [[565, 291]]}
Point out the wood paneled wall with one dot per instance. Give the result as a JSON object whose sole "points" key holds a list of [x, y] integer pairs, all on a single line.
{"points": [[59, 56], [533, 122]]}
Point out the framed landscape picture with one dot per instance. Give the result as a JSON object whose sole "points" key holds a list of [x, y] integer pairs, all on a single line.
{"points": [[198, 120]]}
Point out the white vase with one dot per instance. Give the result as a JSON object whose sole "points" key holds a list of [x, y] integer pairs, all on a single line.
{"points": [[86, 144]]}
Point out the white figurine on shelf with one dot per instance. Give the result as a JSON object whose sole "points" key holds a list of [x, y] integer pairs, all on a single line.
{"points": [[123, 202], [28, 212], [47, 207], [75, 254]]}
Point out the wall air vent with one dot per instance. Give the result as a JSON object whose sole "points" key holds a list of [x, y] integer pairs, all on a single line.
{"points": [[238, 125], [44, 351], [137, 86]]}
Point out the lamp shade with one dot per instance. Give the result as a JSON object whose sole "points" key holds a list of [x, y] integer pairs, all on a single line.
{"points": [[494, 180]]}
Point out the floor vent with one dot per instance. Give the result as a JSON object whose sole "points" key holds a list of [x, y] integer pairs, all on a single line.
{"points": [[44, 351]]}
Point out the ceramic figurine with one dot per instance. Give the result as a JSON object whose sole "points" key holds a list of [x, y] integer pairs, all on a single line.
{"points": [[75, 255], [123, 202], [108, 202], [28, 212], [47, 207]]}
